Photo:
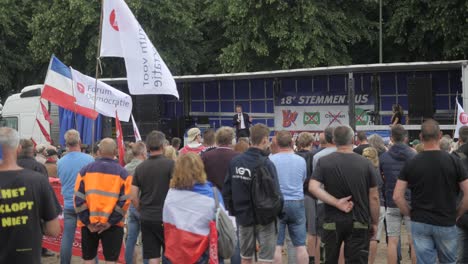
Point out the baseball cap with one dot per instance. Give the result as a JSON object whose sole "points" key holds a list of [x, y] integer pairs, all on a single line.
{"points": [[414, 142], [193, 133]]}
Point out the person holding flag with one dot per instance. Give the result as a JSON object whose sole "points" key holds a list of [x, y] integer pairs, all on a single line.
{"points": [[462, 119]]}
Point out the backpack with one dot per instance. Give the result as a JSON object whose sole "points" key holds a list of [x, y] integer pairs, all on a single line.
{"points": [[227, 238], [267, 202]]}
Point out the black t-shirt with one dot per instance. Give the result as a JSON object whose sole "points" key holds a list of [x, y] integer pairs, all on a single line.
{"points": [[25, 201], [359, 149], [433, 178], [342, 175], [152, 177], [395, 116]]}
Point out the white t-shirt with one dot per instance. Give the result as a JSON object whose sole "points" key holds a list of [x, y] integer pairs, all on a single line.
{"points": [[241, 118]]}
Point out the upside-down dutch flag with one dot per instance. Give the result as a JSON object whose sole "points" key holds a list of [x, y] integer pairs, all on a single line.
{"points": [[187, 215], [58, 89]]}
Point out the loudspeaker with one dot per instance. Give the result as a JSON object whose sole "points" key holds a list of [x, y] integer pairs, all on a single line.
{"points": [[420, 103]]}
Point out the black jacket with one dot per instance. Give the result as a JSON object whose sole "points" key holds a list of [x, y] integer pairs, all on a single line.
{"points": [[237, 124], [32, 164], [463, 221], [391, 163], [236, 189]]}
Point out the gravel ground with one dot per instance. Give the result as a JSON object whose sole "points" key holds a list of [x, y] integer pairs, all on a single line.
{"points": [[381, 257]]}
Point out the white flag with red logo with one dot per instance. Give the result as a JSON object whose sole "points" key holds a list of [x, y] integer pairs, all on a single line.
{"points": [[462, 119], [120, 142], [136, 131], [108, 99], [123, 36]]}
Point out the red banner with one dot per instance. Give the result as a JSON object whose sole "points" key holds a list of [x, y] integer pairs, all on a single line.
{"points": [[46, 114], [53, 243], [44, 131], [120, 142]]}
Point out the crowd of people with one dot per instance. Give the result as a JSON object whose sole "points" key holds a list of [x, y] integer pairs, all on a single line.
{"points": [[331, 203]]}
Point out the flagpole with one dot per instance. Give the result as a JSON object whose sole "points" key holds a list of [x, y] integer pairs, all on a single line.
{"points": [[73, 93], [456, 115], [98, 55]]}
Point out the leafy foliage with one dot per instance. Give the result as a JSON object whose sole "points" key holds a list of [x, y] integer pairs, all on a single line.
{"points": [[428, 30], [213, 36]]}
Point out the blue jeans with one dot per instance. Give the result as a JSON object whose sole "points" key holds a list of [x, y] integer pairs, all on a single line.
{"points": [[462, 246], [133, 229], [236, 258], [431, 242], [294, 219], [69, 222]]}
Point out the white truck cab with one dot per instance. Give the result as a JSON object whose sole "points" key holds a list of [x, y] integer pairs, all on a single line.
{"points": [[20, 111]]}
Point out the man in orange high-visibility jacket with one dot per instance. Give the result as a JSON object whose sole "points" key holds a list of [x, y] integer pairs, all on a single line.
{"points": [[101, 199]]}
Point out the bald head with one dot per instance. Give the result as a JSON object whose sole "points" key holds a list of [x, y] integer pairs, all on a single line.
{"points": [[107, 147]]}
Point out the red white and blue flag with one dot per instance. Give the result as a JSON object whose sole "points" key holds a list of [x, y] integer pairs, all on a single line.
{"points": [[187, 215], [58, 89]]}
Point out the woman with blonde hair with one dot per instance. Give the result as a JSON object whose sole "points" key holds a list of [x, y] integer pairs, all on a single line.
{"points": [[373, 155], [188, 209], [170, 152]]}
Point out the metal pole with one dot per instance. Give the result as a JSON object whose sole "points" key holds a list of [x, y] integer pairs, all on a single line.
{"points": [[351, 102], [380, 32], [98, 55]]}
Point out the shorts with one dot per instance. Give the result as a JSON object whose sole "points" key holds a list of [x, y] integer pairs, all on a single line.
{"points": [[310, 205], [294, 219], [266, 236], [111, 240], [394, 219], [152, 235], [380, 225]]}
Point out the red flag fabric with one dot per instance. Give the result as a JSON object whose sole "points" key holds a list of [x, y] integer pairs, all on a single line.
{"points": [[34, 142], [120, 142], [46, 114], [44, 131], [213, 243]]}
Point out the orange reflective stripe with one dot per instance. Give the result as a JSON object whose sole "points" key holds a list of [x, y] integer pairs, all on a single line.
{"points": [[102, 193], [104, 182]]}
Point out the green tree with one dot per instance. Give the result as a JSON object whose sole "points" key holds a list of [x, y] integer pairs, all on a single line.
{"points": [[68, 29], [426, 30], [283, 34], [15, 65]]}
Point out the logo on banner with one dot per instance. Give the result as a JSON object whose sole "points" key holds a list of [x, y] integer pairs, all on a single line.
{"points": [[80, 87], [289, 118], [362, 118], [113, 21], [311, 118], [463, 118], [334, 118]]}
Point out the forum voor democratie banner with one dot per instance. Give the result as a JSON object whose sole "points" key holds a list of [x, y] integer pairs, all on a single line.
{"points": [[123, 36], [315, 112]]}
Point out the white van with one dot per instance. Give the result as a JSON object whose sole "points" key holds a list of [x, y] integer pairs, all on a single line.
{"points": [[20, 111]]}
